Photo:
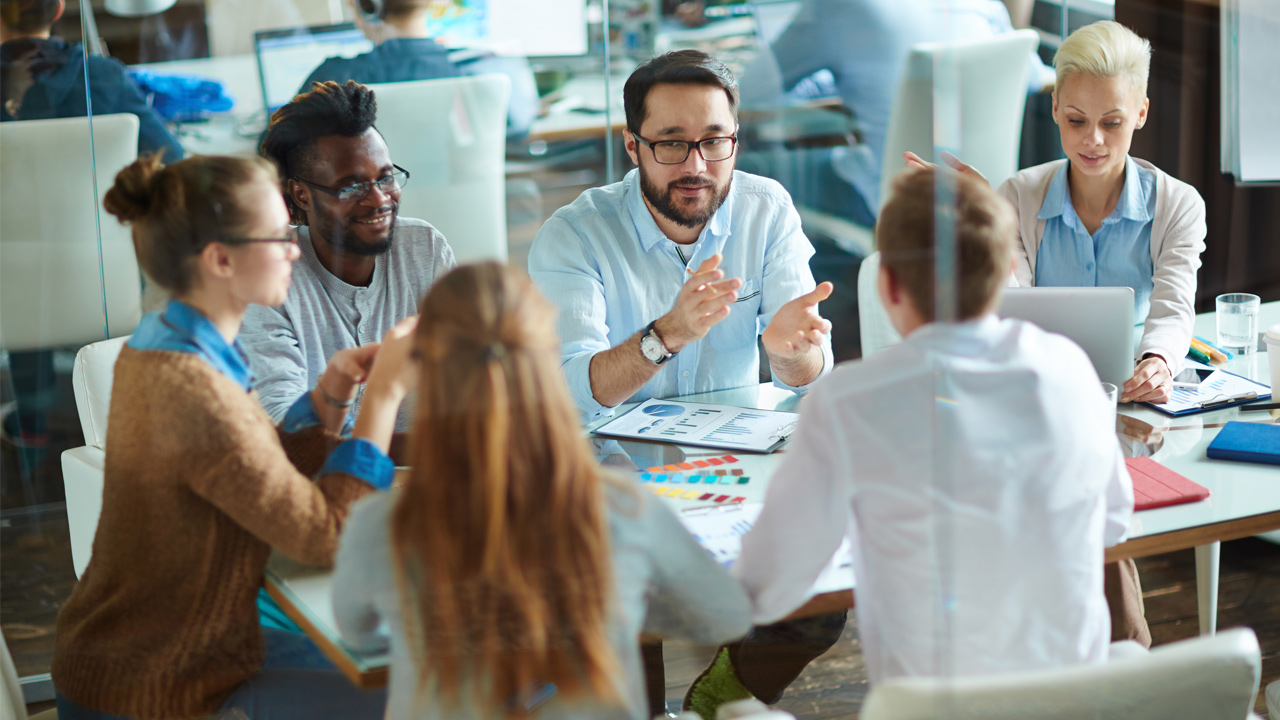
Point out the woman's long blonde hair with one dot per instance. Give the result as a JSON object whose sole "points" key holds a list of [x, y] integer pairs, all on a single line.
{"points": [[500, 534]]}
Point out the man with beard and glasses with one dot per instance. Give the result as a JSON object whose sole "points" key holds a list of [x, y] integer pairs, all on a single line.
{"points": [[363, 268], [664, 282], [665, 279]]}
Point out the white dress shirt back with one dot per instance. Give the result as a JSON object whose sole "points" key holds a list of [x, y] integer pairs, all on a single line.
{"points": [[976, 470]]}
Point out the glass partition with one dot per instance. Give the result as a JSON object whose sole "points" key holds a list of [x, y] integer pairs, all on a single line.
{"points": [[492, 116]]}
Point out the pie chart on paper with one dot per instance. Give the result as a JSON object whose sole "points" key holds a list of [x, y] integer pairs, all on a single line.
{"points": [[664, 410]]}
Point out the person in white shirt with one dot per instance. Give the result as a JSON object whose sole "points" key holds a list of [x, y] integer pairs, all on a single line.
{"points": [[974, 468]]}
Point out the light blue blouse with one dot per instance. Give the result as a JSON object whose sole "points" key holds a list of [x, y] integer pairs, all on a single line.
{"points": [[1117, 255]]}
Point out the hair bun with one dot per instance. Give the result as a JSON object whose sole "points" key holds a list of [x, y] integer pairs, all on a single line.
{"points": [[130, 198]]}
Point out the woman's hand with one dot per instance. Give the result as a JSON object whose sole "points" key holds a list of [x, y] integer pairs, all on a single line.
{"points": [[393, 375], [916, 162], [1151, 382], [335, 391]]}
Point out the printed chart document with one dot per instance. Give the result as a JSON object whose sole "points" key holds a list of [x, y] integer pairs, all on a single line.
{"points": [[1217, 389], [717, 426], [720, 530]]}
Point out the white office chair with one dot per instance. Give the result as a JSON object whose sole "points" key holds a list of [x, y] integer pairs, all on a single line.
{"points": [[966, 97], [451, 135], [980, 90], [54, 271], [1273, 699], [82, 467], [1207, 678], [874, 326], [12, 704]]}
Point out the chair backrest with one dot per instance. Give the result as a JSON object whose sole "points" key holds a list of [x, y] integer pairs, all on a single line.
{"points": [[1205, 677], [54, 272], [875, 328], [91, 378], [451, 135], [12, 706], [981, 84]]}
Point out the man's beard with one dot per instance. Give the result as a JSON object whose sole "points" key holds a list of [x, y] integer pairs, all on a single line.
{"points": [[345, 240], [663, 199]]}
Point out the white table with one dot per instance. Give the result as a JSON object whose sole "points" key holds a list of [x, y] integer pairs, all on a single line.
{"points": [[1245, 501]]}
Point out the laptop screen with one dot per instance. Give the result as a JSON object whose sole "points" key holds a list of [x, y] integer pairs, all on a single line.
{"points": [[287, 57]]}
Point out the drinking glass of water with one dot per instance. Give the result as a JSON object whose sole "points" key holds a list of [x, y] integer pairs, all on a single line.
{"points": [[1238, 322]]}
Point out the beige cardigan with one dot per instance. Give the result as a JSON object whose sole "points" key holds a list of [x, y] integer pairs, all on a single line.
{"points": [[1177, 239]]}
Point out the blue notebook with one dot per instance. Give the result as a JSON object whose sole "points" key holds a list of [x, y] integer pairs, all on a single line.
{"points": [[1247, 442]]}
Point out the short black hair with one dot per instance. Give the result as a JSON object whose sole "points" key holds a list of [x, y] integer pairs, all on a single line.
{"points": [[681, 67], [28, 16], [329, 109]]}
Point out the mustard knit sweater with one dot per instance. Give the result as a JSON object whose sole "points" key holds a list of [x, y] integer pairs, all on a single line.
{"points": [[199, 487]]}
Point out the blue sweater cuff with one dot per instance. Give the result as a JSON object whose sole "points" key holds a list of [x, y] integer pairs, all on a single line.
{"points": [[362, 459], [302, 415]]}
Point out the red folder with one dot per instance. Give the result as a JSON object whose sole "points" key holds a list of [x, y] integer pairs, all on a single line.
{"points": [[1155, 485]]}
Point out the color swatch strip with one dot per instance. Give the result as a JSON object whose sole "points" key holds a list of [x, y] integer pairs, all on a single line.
{"points": [[696, 465]]}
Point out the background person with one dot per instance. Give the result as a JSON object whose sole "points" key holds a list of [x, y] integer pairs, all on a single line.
{"points": [[200, 486], [513, 574], [404, 50]]}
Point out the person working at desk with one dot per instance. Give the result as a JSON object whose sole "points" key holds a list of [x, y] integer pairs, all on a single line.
{"points": [[514, 574], [864, 45], [665, 280], [980, 452], [363, 268], [1102, 218], [200, 486], [43, 77], [404, 51]]}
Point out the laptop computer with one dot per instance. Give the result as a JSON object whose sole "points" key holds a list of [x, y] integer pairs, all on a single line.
{"points": [[1099, 320], [287, 57]]}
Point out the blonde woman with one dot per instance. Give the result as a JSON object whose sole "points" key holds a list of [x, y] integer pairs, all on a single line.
{"points": [[1102, 218], [514, 574]]}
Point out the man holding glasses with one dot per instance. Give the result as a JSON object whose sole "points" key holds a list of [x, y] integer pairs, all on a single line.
{"points": [[362, 268], [664, 281]]}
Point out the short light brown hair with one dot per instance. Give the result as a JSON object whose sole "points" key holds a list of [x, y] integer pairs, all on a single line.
{"points": [[984, 229]]}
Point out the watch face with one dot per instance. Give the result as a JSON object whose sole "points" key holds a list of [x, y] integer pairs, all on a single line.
{"points": [[652, 348]]}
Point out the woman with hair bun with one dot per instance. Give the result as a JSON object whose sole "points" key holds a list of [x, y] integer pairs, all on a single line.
{"points": [[199, 484], [514, 574], [1102, 218]]}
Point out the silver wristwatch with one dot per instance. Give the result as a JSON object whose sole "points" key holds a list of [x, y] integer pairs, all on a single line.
{"points": [[652, 348]]}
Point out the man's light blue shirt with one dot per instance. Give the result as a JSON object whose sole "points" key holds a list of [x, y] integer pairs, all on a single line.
{"points": [[605, 264], [1117, 255]]}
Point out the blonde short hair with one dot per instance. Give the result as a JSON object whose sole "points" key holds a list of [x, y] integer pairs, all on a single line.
{"points": [[1105, 49]]}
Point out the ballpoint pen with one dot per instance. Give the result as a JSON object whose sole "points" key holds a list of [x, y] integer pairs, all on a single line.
{"points": [[1227, 400], [1261, 406]]}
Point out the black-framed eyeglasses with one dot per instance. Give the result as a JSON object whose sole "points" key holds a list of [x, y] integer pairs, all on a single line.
{"points": [[674, 152], [361, 190]]}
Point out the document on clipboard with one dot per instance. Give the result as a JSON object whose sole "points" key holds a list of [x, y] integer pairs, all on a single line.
{"points": [[715, 426], [1215, 390]]}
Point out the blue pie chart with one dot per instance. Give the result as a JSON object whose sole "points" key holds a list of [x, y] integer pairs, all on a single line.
{"points": [[664, 410]]}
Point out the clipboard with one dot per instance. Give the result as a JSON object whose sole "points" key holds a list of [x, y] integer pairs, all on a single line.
{"points": [[1220, 389], [723, 427]]}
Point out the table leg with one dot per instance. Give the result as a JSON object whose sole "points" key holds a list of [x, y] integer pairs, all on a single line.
{"points": [[1207, 586]]}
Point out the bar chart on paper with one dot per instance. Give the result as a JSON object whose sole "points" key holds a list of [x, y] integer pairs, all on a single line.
{"points": [[718, 426]]}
